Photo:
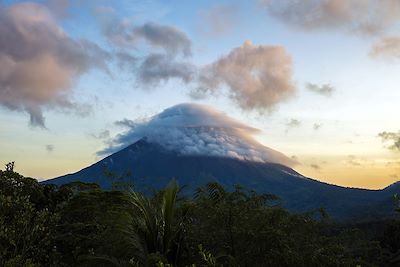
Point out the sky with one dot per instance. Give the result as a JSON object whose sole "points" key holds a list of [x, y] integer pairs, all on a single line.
{"points": [[318, 78]]}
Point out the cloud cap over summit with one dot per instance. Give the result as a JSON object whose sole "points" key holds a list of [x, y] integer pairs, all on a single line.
{"points": [[193, 129]]}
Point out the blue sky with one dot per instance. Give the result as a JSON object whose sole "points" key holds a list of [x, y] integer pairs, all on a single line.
{"points": [[345, 149]]}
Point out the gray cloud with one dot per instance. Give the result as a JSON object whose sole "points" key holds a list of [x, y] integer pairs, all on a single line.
{"points": [[126, 123], [167, 37], [315, 166], [39, 62], [386, 48], [293, 123], [126, 61], [50, 148], [324, 89], [192, 129], [317, 126], [256, 76], [102, 135], [391, 137], [368, 17], [170, 39], [157, 68], [353, 160], [124, 34], [151, 68]]}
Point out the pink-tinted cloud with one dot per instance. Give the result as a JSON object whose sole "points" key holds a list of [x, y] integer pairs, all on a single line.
{"points": [[256, 76], [387, 48], [39, 62]]}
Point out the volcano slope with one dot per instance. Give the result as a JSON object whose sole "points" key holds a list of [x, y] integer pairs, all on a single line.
{"points": [[152, 167], [196, 144]]}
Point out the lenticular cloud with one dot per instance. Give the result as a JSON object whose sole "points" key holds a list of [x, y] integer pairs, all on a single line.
{"points": [[192, 129]]}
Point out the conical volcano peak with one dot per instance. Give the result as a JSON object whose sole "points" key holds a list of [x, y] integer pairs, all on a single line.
{"points": [[193, 129]]}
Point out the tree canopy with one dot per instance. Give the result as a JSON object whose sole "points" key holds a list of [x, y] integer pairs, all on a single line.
{"points": [[80, 224]]}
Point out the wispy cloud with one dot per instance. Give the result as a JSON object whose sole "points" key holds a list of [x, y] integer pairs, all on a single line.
{"points": [[170, 39], [317, 126], [353, 160], [293, 123], [392, 138], [315, 166], [219, 19], [387, 48], [358, 161], [169, 48], [367, 17], [102, 135], [157, 68], [324, 89], [50, 148]]}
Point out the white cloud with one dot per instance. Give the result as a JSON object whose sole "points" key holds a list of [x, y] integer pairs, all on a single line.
{"points": [[192, 129]]}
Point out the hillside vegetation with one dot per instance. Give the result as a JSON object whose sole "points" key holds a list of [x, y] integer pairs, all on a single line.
{"points": [[79, 224]]}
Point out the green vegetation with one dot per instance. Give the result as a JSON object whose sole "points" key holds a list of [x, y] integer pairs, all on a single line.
{"points": [[79, 224]]}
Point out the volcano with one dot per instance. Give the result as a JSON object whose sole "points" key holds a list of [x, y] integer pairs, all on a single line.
{"points": [[196, 145]]}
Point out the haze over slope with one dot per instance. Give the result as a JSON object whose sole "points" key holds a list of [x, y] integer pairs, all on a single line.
{"points": [[193, 129]]}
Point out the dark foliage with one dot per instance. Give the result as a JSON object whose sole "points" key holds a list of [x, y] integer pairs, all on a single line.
{"points": [[79, 224]]}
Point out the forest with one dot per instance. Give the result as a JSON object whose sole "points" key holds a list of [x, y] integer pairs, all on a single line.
{"points": [[79, 224]]}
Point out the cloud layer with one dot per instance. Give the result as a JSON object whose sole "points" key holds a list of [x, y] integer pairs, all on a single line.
{"points": [[369, 17], [39, 62], [256, 76], [192, 129], [376, 19]]}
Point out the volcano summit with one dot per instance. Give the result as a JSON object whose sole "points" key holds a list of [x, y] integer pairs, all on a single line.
{"points": [[193, 129], [196, 144]]}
